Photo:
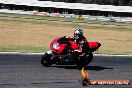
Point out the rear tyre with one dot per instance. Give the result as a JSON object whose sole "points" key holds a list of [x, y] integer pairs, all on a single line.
{"points": [[80, 64], [89, 58], [46, 60], [84, 61]]}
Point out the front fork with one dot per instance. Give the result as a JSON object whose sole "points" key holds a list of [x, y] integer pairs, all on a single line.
{"points": [[53, 58]]}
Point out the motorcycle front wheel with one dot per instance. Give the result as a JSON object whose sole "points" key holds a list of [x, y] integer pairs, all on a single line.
{"points": [[46, 60]]}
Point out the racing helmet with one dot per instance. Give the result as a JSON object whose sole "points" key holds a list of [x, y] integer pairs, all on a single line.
{"points": [[78, 34]]}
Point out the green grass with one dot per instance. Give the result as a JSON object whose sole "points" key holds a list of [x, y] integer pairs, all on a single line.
{"points": [[75, 23], [37, 17], [29, 49], [23, 49], [50, 18]]}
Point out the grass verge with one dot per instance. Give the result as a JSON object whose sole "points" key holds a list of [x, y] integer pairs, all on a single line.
{"points": [[57, 21], [33, 34], [23, 49]]}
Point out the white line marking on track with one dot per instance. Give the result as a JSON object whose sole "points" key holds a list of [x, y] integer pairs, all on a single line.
{"points": [[21, 53]]}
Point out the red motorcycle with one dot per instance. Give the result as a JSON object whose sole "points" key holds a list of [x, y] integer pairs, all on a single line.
{"points": [[68, 53]]}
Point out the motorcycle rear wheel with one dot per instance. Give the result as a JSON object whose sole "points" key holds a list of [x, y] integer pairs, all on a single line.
{"points": [[46, 60], [80, 64], [90, 58], [84, 61]]}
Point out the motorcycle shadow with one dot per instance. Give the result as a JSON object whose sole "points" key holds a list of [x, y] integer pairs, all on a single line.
{"points": [[95, 68], [66, 66]]}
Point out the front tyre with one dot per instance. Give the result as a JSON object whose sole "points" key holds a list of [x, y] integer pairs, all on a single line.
{"points": [[46, 60]]}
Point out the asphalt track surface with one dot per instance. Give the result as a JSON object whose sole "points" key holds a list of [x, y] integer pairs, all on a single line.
{"points": [[25, 71]]}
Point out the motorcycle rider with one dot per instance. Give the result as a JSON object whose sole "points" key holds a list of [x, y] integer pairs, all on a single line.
{"points": [[78, 38], [81, 40]]}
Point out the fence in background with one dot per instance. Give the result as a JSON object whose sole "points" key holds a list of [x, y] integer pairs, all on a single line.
{"points": [[86, 17]]}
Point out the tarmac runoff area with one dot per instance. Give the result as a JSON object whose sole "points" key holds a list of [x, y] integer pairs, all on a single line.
{"points": [[23, 70]]}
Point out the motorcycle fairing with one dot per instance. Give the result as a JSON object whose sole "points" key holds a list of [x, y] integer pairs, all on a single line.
{"points": [[56, 47], [94, 46]]}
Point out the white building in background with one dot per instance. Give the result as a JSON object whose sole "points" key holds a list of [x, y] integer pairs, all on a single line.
{"points": [[71, 8]]}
